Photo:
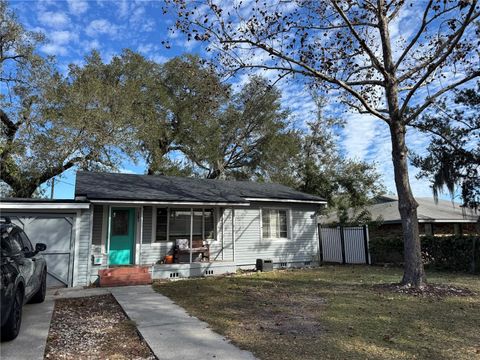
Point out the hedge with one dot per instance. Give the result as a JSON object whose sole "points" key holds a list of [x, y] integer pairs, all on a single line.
{"points": [[458, 253]]}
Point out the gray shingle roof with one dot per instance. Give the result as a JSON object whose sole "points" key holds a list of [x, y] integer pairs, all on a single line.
{"points": [[114, 186], [427, 211]]}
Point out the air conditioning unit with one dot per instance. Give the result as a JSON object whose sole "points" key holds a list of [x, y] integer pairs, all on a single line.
{"points": [[264, 265]]}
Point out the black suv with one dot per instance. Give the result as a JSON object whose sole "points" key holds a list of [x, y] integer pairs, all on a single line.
{"points": [[23, 276]]}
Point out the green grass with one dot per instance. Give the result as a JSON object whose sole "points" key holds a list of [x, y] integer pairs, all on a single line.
{"points": [[335, 312]]}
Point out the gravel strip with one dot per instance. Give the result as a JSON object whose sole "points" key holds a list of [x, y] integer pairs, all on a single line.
{"points": [[94, 327]]}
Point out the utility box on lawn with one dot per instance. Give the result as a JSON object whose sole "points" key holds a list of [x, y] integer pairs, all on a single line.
{"points": [[264, 265]]}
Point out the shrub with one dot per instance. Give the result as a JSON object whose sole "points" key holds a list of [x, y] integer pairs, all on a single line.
{"points": [[458, 253]]}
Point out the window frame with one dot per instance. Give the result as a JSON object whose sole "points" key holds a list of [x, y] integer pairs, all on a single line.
{"points": [[288, 213], [156, 242]]}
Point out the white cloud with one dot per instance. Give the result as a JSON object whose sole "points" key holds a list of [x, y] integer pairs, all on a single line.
{"points": [[54, 19], [77, 7], [123, 8], [54, 49], [62, 37], [91, 45], [101, 26], [359, 133]]}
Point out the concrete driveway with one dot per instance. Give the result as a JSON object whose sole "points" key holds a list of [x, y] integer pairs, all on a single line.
{"points": [[30, 343]]}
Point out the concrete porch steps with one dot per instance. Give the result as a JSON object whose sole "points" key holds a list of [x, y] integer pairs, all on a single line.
{"points": [[125, 276]]}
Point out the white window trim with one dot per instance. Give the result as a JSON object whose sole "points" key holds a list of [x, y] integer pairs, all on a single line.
{"points": [[289, 224], [156, 243]]}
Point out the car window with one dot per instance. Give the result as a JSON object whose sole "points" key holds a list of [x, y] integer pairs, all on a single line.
{"points": [[5, 241], [15, 243], [27, 245]]}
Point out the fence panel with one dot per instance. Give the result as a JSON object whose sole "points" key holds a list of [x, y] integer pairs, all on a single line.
{"points": [[331, 245], [354, 245], [345, 244]]}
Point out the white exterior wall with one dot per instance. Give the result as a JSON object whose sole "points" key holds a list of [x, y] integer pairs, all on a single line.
{"points": [[300, 247], [83, 245]]}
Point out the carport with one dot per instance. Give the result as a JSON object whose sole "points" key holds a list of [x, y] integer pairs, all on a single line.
{"points": [[60, 224]]}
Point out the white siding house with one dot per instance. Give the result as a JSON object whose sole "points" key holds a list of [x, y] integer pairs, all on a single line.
{"points": [[120, 219]]}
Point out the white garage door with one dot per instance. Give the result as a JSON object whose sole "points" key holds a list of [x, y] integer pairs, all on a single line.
{"points": [[57, 232]]}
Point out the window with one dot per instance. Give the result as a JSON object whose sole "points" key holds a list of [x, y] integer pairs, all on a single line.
{"points": [[27, 245], [119, 222], [173, 224], [274, 223], [179, 222], [16, 245], [162, 224], [209, 221]]}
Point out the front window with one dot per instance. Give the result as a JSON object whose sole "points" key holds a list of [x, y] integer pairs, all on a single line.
{"points": [[179, 222], [274, 223], [173, 224]]}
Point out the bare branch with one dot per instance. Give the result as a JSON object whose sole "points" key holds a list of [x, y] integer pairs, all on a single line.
{"points": [[417, 35], [311, 72], [362, 42], [435, 96], [433, 66]]}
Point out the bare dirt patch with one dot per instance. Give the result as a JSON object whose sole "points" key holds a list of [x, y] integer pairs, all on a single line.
{"points": [[94, 327]]}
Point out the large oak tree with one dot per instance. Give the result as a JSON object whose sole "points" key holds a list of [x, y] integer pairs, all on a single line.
{"points": [[350, 49], [52, 122]]}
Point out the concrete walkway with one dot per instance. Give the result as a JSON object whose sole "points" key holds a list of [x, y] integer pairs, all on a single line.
{"points": [[30, 343], [170, 331]]}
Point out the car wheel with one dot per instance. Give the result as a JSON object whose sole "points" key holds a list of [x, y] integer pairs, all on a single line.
{"points": [[11, 328], [39, 296]]}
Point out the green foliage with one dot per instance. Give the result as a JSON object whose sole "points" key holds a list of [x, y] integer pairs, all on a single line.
{"points": [[349, 186], [52, 122], [453, 156], [456, 253]]}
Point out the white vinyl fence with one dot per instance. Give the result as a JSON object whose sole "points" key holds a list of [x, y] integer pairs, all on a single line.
{"points": [[345, 245]]}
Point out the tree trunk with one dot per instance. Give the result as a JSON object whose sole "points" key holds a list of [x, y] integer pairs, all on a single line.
{"points": [[414, 274], [214, 174]]}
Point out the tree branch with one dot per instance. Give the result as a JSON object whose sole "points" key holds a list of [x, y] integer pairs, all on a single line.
{"points": [[362, 42], [432, 98], [417, 35], [311, 72], [432, 67]]}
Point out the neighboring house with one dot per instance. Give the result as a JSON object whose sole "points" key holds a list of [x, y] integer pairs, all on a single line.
{"points": [[441, 218], [126, 219]]}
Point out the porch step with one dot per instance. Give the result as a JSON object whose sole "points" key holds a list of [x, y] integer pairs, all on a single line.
{"points": [[123, 276]]}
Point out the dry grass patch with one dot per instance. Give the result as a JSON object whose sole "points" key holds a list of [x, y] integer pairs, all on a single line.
{"points": [[93, 327], [336, 312]]}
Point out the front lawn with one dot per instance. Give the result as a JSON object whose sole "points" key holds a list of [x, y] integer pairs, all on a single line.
{"points": [[335, 312]]}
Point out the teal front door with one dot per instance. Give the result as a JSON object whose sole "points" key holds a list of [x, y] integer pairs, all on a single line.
{"points": [[122, 236]]}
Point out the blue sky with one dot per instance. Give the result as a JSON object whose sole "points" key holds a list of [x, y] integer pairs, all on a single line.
{"points": [[75, 27]]}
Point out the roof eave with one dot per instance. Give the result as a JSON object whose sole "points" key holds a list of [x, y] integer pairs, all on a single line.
{"points": [[319, 202], [156, 202]]}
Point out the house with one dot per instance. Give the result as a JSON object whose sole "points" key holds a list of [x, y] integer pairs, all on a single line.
{"points": [[434, 218], [127, 219]]}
